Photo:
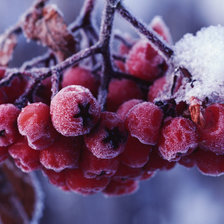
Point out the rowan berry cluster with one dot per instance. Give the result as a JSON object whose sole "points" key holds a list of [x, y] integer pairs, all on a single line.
{"points": [[89, 145]]}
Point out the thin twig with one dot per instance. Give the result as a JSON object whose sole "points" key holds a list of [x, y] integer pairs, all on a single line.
{"points": [[104, 40], [146, 31], [85, 16]]}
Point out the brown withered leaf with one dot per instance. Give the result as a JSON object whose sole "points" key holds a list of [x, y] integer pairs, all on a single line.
{"points": [[20, 198], [8, 42], [48, 27]]}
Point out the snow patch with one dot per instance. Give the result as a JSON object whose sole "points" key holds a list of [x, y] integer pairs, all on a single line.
{"points": [[203, 56]]}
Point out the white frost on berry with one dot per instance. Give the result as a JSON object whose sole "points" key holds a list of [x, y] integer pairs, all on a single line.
{"points": [[203, 56]]}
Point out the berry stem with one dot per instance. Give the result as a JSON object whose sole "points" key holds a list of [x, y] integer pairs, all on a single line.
{"points": [[104, 40], [146, 31], [84, 19], [44, 60], [55, 80], [99, 45]]}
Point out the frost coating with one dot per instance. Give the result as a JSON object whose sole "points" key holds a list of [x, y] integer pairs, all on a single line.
{"points": [[178, 137], [202, 55], [143, 121], [108, 140], [74, 111]]}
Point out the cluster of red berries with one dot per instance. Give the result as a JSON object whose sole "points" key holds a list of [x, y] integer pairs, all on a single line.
{"points": [[82, 149]]}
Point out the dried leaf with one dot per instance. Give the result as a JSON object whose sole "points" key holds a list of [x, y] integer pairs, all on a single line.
{"points": [[48, 27], [8, 42], [20, 197]]}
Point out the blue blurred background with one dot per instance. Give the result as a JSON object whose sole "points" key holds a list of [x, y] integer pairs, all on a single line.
{"points": [[179, 196]]}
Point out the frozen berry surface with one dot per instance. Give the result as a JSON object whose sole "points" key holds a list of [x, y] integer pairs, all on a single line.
{"points": [[108, 139], [144, 121], [178, 137], [211, 135], [8, 124], [74, 111], [34, 122]]}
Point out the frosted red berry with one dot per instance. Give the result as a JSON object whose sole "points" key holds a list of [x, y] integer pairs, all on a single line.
{"points": [[125, 108], [3, 154], [123, 50], [178, 137], [188, 160], [144, 61], [156, 162], [64, 153], [56, 178], [93, 167], [121, 188], [146, 175], [209, 163], [156, 89], [121, 91], [9, 93], [143, 122], [80, 76], [136, 154], [25, 168], [34, 122], [126, 173], [8, 125], [74, 111], [2, 72], [78, 183], [25, 157], [108, 139], [158, 25], [211, 135]]}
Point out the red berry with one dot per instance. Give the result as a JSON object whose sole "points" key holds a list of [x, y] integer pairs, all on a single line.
{"points": [[121, 91], [144, 61], [121, 188], [80, 76], [120, 65], [126, 173], [64, 153], [188, 160], [93, 167], [108, 139], [3, 154], [123, 50], [79, 184], [156, 162], [147, 175], [2, 72], [74, 111], [209, 163], [125, 107], [161, 28], [17, 86], [22, 166], [25, 157], [136, 154], [179, 137], [3, 96], [143, 122], [34, 122], [56, 178], [156, 89], [211, 135], [8, 127]]}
